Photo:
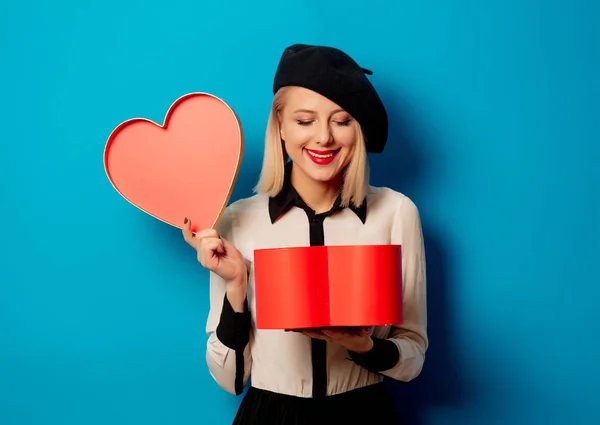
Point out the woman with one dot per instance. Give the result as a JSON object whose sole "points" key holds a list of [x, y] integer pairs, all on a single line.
{"points": [[314, 190]]}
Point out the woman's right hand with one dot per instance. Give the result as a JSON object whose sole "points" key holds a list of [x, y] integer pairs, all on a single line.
{"points": [[219, 256]]}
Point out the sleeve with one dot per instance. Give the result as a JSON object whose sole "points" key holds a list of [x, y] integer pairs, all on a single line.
{"points": [[402, 354], [228, 349]]}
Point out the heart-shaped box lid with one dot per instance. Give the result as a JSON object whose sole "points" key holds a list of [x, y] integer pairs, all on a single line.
{"points": [[186, 167]]}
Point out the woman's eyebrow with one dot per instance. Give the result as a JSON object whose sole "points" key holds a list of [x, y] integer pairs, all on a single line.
{"points": [[312, 112]]}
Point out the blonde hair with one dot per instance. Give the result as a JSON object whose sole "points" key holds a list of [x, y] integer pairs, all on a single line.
{"points": [[355, 178]]}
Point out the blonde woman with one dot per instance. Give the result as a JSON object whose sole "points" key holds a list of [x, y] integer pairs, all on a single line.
{"points": [[314, 190]]}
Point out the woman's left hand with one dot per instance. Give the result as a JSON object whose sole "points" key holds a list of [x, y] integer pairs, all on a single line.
{"points": [[354, 339]]}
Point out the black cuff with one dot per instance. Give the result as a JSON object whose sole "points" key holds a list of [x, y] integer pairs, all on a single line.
{"points": [[383, 356], [234, 328]]}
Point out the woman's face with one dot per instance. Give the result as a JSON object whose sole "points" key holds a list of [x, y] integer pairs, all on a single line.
{"points": [[319, 136]]}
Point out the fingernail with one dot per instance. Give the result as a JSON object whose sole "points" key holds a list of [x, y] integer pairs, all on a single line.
{"points": [[185, 221]]}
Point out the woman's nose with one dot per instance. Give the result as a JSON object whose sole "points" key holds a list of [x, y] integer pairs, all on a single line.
{"points": [[324, 136]]}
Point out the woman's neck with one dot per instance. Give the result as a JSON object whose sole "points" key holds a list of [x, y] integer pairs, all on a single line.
{"points": [[319, 196]]}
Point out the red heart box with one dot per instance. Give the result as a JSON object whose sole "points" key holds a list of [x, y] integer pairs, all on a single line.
{"points": [[328, 286], [185, 167]]}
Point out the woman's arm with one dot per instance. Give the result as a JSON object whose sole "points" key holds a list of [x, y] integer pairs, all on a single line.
{"points": [[228, 349], [402, 354]]}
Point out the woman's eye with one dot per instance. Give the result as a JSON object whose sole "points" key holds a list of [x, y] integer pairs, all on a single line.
{"points": [[340, 123]]}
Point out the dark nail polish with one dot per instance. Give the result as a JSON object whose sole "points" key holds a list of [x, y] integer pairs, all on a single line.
{"points": [[185, 221]]}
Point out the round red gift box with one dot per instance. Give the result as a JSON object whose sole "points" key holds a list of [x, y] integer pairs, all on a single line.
{"points": [[322, 286]]}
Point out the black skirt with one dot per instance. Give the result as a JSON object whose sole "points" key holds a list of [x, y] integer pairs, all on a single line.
{"points": [[369, 405]]}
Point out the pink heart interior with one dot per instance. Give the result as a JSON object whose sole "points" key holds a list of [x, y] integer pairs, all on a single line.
{"points": [[184, 168]]}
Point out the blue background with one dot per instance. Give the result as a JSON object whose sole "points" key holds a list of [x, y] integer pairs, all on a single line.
{"points": [[495, 116]]}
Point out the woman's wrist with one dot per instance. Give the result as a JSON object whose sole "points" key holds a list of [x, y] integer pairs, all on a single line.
{"points": [[363, 349], [236, 295]]}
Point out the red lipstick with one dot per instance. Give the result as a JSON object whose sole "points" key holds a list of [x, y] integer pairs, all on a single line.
{"points": [[322, 157]]}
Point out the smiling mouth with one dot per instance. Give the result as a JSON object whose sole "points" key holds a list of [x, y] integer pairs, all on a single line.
{"points": [[322, 157], [322, 154]]}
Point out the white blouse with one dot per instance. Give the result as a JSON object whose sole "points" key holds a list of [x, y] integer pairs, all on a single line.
{"points": [[281, 361]]}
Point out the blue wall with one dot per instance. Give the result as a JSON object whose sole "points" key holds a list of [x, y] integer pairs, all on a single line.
{"points": [[495, 133]]}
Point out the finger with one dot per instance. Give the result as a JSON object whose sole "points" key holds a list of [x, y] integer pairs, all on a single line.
{"points": [[212, 245], [337, 332], [316, 334], [188, 236], [334, 335], [227, 246], [355, 330], [346, 329], [207, 233]]}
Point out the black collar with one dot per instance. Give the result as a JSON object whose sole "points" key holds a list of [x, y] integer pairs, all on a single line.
{"points": [[288, 197]]}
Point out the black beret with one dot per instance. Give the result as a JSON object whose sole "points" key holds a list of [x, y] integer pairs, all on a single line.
{"points": [[335, 75]]}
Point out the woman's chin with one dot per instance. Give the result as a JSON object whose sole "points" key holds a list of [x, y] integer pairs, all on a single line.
{"points": [[323, 175]]}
